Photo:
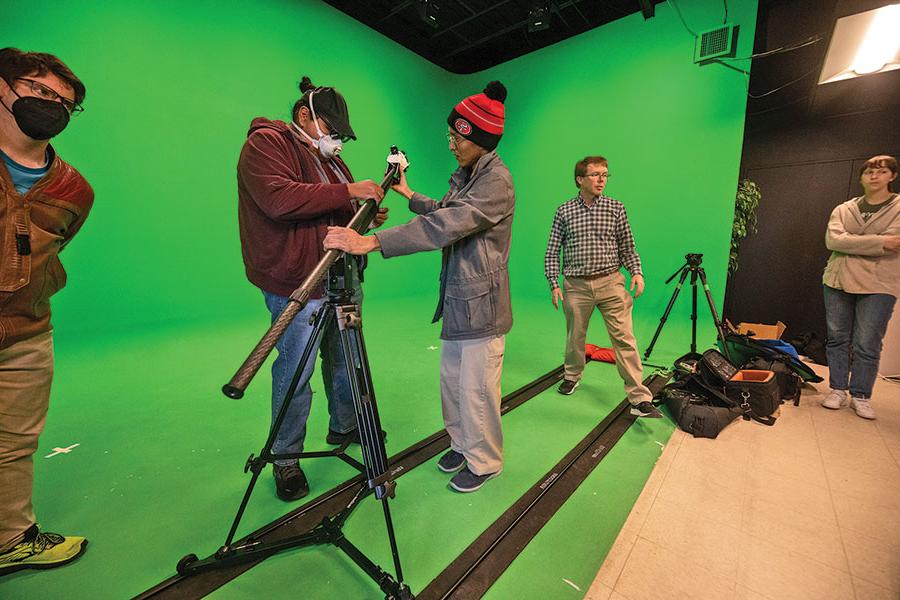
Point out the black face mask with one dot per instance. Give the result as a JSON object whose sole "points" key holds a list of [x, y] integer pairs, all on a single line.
{"points": [[38, 118]]}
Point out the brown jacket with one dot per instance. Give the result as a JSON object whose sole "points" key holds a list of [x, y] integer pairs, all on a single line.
{"points": [[51, 213], [284, 209]]}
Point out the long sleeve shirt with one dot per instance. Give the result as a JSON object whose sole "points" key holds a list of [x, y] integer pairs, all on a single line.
{"points": [[595, 240]]}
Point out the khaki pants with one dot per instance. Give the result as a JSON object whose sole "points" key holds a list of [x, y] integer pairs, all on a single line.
{"points": [[470, 400], [26, 370], [609, 295]]}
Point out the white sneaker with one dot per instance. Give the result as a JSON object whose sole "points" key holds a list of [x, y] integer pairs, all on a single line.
{"points": [[835, 399], [862, 408]]}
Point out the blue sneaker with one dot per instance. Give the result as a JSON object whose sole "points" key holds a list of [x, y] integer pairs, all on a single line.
{"points": [[451, 462], [467, 481]]}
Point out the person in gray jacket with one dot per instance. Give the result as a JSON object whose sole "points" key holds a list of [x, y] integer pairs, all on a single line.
{"points": [[861, 284], [472, 223]]}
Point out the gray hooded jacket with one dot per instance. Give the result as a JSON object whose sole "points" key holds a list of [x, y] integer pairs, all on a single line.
{"points": [[473, 225]]}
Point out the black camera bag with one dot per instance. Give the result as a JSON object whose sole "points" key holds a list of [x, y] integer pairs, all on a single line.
{"points": [[694, 412], [756, 395], [789, 383]]}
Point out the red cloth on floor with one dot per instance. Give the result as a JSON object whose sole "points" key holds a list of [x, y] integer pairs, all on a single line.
{"points": [[593, 352]]}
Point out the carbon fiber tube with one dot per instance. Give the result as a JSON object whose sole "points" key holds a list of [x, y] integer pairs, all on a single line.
{"points": [[360, 223]]}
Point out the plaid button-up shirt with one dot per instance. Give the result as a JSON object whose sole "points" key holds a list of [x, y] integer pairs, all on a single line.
{"points": [[595, 240]]}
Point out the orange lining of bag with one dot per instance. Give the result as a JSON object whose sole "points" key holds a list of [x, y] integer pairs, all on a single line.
{"points": [[751, 375]]}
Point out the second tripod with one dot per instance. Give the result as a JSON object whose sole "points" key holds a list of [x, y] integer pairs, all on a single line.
{"points": [[692, 267]]}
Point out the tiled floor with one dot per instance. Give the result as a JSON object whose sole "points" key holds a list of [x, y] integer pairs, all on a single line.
{"points": [[806, 509]]}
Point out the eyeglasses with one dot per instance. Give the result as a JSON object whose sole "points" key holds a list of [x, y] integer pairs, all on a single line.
{"points": [[344, 138], [455, 140], [42, 91], [599, 175]]}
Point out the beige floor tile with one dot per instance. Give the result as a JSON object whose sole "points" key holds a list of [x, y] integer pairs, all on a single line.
{"points": [[598, 591], [617, 596], [883, 487], [690, 533], [723, 463], [869, 591], [874, 560], [742, 592], [654, 573], [867, 516], [872, 457], [773, 571], [615, 560], [776, 488], [803, 467], [793, 441], [698, 488], [795, 530]]}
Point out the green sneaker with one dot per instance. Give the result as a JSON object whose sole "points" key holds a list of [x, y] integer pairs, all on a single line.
{"points": [[41, 550]]}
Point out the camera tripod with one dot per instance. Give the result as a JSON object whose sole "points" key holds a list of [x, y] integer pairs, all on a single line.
{"points": [[339, 310], [692, 266]]}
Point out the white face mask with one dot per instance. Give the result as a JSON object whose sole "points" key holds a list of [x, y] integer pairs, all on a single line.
{"points": [[328, 146]]}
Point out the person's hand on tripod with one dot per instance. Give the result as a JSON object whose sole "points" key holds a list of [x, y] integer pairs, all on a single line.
{"points": [[403, 188], [637, 281], [556, 297], [380, 217], [365, 189], [347, 240]]}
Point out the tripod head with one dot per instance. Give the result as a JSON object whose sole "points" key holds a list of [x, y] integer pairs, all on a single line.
{"points": [[692, 263], [693, 260]]}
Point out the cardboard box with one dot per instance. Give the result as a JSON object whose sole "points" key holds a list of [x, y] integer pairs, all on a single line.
{"points": [[760, 331]]}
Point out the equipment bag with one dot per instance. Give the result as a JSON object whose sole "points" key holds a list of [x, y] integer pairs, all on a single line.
{"points": [[757, 390], [789, 383], [754, 392], [694, 414], [742, 348]]}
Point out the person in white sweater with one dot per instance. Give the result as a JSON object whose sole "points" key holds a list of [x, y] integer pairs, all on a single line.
{"points": [[861, 282]]}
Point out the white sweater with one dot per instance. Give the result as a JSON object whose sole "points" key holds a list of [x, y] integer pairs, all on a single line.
{"points": [[858, 262]]}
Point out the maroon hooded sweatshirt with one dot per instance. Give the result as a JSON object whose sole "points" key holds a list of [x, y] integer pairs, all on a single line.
{"points": [[284, 209]]}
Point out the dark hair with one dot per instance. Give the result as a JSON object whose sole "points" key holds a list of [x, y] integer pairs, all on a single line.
{"points": [[878, 162], [306, 86], [14, 64], [582, 165]]}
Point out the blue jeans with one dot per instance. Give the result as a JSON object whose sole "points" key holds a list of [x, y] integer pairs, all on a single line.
{"points": [[334, 373], [859, 320]]}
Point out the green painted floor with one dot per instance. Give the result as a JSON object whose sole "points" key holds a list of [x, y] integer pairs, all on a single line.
{"points": [[158, 472]]}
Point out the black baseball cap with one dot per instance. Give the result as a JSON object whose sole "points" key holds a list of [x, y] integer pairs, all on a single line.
{"points": [[331, 106]]}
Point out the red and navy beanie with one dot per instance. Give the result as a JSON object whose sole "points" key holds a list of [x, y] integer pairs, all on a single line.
{"points": [[479, 118]]}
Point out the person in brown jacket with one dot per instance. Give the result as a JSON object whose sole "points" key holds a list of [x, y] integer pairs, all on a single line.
{"points": [[292, 184], [861, 284], [43, 203]]}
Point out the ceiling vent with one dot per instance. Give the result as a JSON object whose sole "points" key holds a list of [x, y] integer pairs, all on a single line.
{"points": [[715, 43]]}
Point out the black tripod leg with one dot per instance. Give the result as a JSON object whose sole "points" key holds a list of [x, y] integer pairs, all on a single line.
{"points": [[665, 316], [693, 311], [720, 329], [324, 319], [368, 422]]}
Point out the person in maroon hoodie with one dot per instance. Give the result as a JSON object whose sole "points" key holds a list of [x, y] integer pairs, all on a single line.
{"points": [[292, 185]]}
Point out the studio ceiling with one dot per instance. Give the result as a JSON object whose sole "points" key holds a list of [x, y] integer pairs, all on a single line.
{"points": [[466, 36]]}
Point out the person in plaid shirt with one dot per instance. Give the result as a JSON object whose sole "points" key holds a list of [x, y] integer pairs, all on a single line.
{"points": [[593, 233]]}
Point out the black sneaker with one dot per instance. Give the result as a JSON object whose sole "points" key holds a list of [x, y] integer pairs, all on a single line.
{"points": [[567, 387], [290, 482], [466, 481], [351, 437], [451, 462], [645, 409]]}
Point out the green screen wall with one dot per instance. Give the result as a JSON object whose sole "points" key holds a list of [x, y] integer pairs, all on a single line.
{"points": [[172, 87]]}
